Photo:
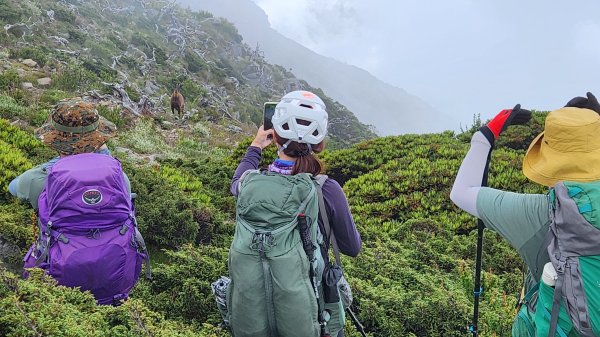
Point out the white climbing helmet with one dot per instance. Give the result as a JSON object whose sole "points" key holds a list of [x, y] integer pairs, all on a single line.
{"points": [[300, 116]]}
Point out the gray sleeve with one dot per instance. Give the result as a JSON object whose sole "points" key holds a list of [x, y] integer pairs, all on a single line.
{"points": [[250, 161], [127, 182], [30, 184], [12, 186], [470, 175], [340, 217]]}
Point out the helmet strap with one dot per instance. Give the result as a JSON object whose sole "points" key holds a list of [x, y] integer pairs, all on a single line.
{"points": [[284, 146]]}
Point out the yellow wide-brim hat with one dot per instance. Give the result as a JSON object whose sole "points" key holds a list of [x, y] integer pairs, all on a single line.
{"points": [[567, 150]]}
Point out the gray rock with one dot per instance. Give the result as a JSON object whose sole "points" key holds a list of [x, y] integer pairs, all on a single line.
{"points": [[121, 149], [167, 125], [27, 85], [204, 103], [150, 87], [30, 63], [234, 128], [46, 81], [20, 124]]}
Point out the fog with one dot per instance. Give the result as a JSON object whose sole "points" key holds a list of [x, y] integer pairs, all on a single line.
{"points": [[445, 61], [463, 56]]}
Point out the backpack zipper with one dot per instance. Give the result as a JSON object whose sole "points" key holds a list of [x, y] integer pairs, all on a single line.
{"points": [[262, 242]]}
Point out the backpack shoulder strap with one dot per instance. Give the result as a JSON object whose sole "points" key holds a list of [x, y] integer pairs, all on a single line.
{"points": [[329, 234], [244, 176]]}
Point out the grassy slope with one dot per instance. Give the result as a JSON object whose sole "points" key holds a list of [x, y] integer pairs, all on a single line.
{"points": [[413, 277]]}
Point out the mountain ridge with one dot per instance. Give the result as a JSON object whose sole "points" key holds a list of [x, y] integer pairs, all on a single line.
{"points": [[390, 109]]}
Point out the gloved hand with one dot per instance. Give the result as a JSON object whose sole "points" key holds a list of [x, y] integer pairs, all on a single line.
{"points": [[504, 119], [586, 103]]}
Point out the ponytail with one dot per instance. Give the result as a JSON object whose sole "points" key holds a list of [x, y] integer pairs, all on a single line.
{"points": [[304, 155]]}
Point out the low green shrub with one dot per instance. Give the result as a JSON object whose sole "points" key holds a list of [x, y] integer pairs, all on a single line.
{"points": [[38, 307], [53, 96], [11, 109], [165, 213], [19, 227], [145, 138], [112, 114], [181, 288], [9, 13], [38, 53], [134, 95], [64, 14], [10, 80], [12, 163], [75, 78]]}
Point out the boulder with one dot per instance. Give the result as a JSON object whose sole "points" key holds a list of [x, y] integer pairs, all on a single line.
{"points": [[27, 85], [44, 82], [150, 87], [204, 103], [234, 128], [30, 63]]}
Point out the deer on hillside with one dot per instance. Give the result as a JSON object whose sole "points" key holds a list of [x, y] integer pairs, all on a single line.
{"points": [[177, 101]]}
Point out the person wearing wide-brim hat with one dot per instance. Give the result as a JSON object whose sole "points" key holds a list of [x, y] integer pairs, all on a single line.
{"points": [[567, 150], [74, 127]]}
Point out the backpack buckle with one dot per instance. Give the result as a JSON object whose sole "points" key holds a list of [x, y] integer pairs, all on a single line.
{"points": [[93, 233], [262, 242]]}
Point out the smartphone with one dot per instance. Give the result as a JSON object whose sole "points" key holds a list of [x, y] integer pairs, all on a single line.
{"points": [[269, 111]]}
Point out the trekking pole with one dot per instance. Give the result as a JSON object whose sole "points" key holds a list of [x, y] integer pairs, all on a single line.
{"points": [[491, 131], [359, 327], [477, 288]]}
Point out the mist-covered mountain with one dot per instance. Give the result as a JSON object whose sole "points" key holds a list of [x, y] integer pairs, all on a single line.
{"points": [[390, 109]]}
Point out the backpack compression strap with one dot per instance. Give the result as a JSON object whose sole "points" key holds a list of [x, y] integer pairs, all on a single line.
{"points": [[320, 179], [329, 235]]}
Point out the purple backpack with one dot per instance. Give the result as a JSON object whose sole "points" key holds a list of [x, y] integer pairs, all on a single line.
{"points": [[88, 232]]}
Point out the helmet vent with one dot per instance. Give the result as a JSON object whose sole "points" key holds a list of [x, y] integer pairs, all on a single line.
{"points": [[306, 106], [285, 126], [315, 133]]}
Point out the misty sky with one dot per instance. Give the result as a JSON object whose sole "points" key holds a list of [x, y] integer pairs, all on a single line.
{"points": [[462, 56]]}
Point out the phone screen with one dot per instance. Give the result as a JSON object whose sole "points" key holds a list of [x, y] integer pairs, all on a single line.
{"points": [[268, 115]]}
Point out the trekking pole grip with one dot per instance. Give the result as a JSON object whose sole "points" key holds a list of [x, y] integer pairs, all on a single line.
{"points": [[307, 243]]}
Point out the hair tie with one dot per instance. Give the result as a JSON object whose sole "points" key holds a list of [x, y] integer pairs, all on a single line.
{"points": [[302, 152]]}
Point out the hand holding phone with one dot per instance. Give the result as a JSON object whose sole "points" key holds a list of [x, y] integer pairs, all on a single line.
{"points": [[263, 138]]}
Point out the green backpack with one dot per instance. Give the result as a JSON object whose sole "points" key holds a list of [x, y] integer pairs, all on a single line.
{"points": [[572, 307], [276, 288]]}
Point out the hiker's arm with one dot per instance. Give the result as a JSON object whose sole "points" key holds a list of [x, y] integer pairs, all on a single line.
{"points": [[470, 175], [518, 217], [29, 185], [341, 220], [252, 158], [250, 162]]}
